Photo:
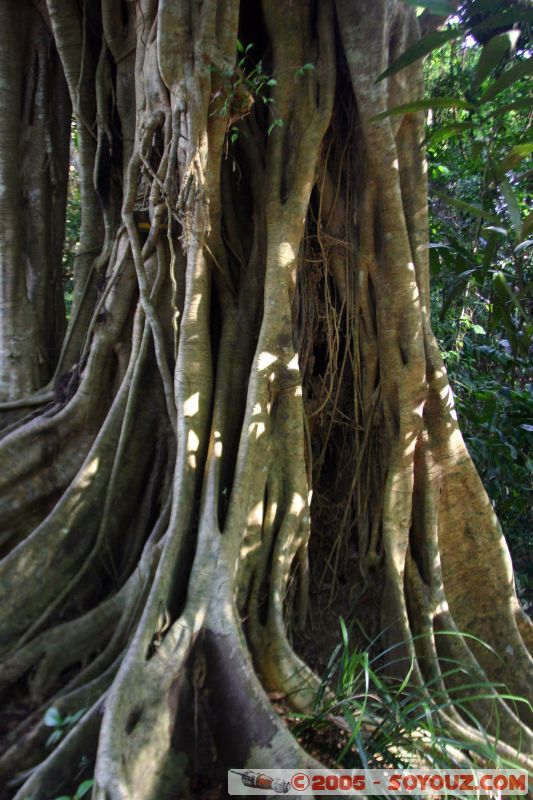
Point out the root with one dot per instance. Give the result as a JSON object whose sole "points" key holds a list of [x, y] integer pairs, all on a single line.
{"points": [[54, 651], [78, 748], [28, 749]]}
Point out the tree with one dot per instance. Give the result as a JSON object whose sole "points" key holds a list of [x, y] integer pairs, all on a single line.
{"points": [[249, 362], [34, 156]]}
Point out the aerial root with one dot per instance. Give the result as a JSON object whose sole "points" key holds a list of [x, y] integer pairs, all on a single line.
{"points": [[57, 649], [113, 623]]}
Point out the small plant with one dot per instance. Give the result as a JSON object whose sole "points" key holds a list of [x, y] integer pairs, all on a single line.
{"points": [[365, 718], [300, 72], [80, 792], [61, 725], [241, 87]]}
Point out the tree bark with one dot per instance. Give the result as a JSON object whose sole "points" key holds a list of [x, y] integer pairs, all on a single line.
{"points": [[34, 158], [252, 375]]}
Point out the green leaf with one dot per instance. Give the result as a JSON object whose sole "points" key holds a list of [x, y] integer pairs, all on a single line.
{"points": [[446, 132], [520, 70], [469, 208], [272, 82], [52, 718], [514, 157], [71, 719], [300, 72], [54, 737], [433, 41], [492, 53], [240, 46], [517, 105], [507, 18], [278, 123], [500, 281], [511, 202], [496, 229], [493, 242], [455, 290], [424, 105], [523, 246], [83, 788]]}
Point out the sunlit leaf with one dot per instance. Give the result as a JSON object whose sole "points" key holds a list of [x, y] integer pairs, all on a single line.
{"points": [[496, 229], [83, 788], [469, 208], [524, 246], [433, 41], [52, 718], [492, 54]]}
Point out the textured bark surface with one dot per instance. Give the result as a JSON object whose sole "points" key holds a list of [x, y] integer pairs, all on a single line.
{"points": [[249, 378], [34, 158]]}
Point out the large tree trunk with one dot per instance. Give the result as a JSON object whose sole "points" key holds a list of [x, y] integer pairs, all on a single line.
{"points": [[34, 158], [254, 371]]}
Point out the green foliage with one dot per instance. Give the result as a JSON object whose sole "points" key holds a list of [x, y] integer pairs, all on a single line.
{"points": [[480, 165], [300, 72], [80, 792], [480, 256], [241, 87], [245, 85], [61, 725], [479, 151], [365, 718], [422, 47], [423, 105]]}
